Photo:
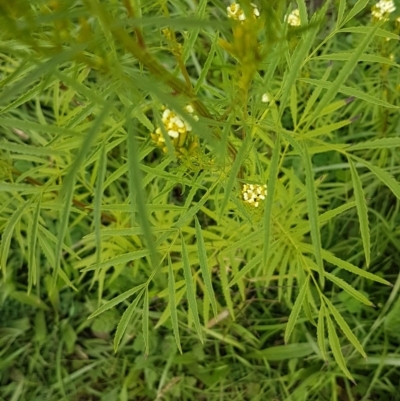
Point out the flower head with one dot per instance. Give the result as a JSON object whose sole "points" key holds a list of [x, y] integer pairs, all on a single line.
{"points": [[293, 18], [178, 129], [253, 194], [236, 12], [381, 10]]}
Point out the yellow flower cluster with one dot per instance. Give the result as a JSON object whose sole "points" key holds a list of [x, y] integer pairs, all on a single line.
{"points": [[178, 130], [382, 9], [293, 18], [236, 12], [254, 193]]}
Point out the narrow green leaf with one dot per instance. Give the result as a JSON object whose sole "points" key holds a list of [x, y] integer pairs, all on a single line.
{"points": [[69, 186], [283, 352], [125, 320], [225, 288], [137, 193], [348, 91], [145, 321], [383, 175], [269, 201], [191, 294], [172, 304], [7, 234], [344, 73], [381, 143], [336, 349], [121, 259], [29, 149], [345, 327], [362, 211], [250, 265], [207, 65], [33, 235], [241, 155], [321, 332], [349, 289], [357, 8], [98, 195], [117, 300], [205, 272], [345, 265], [312, 202], [294, 314]]}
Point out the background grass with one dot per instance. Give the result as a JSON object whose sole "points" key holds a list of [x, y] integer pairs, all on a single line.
{"points": [[190, 292]]}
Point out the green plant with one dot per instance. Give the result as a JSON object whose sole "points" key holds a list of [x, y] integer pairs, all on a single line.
{"points": [[99, 196]]}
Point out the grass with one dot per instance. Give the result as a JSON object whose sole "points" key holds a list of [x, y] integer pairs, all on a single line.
{"points": [[133, 268]]}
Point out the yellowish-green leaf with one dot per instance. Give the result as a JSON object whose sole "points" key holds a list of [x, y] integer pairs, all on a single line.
{"points": [[336, 349], [294, 314], [125, 320], [172, 304], [345, 327], [362, 211], [190, 289]]}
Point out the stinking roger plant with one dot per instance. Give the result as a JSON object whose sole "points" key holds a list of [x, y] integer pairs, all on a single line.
{"points": [[276, 116]]}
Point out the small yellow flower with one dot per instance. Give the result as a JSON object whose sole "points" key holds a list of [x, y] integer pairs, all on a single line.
{"points": [[265, 98], [293, 19], [178, 129], [253, 194], [381, 10], [235, 11]]}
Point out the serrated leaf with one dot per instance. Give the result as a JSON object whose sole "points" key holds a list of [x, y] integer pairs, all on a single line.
{"points": [[205, 272], [191, 294], [383, 175], [172, 304], [362, 211], [117, 300], [125, 319], [321, 332], [349, 289], [346, 265], [294, 314], [345, 327], [381, 143], [336, 349]]}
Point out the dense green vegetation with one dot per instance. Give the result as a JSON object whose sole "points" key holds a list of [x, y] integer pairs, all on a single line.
{"points": [[199, 203]]}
